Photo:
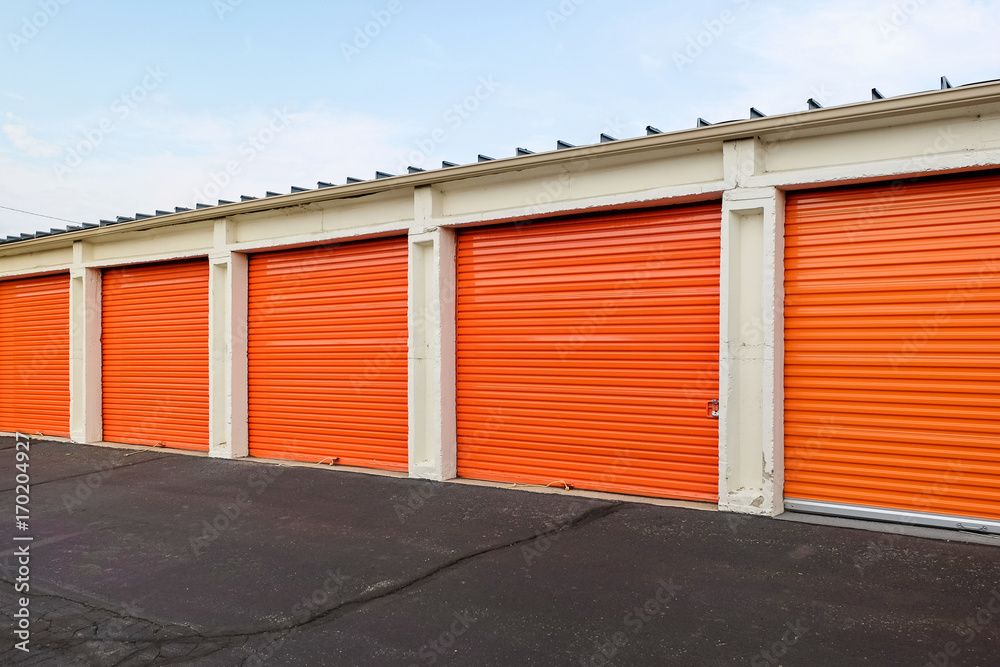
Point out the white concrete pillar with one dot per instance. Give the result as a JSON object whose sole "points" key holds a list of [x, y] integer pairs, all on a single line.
{"points": [[85, 393], [432, 420], [227, 333], [751, 452]]}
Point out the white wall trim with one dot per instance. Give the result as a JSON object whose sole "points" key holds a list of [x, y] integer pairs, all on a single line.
{"points": [[431, 360], [751, 454], [228, 418], [85, 359]]}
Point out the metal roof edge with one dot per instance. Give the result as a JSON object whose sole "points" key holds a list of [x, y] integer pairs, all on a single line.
{"points": [[914, 103]]}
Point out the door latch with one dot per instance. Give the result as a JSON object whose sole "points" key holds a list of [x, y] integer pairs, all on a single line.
{"points": [[713, 409]]}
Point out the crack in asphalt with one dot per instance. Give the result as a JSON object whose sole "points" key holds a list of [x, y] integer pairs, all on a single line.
{"points": [[220, 641], [99, 626], [349, 606], [141, 635]]}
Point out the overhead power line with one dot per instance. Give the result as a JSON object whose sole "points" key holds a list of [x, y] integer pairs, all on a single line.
{"points": [[77, 222]]}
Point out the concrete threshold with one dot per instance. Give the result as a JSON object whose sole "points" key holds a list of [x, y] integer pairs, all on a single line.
{"points": [[139, 448], [596, 495], [36, 436], [908, 530], [325, 466], [253, 459]]}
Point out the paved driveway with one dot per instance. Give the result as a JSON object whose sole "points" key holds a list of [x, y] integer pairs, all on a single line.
{"points": [[156, 558]]}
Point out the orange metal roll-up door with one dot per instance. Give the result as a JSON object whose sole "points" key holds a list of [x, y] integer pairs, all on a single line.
{"points": [[327, 354], [34, 355], [588, 350], [155, 354], [892, 351]]}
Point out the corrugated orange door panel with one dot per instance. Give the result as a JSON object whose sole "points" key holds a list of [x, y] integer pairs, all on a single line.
{"points": [[328, 350], [588, 351], [892, 346], [34, 355], [155, 354]]}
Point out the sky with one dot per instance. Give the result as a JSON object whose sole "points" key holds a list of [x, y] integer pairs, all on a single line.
{"points": [[111, 108]]}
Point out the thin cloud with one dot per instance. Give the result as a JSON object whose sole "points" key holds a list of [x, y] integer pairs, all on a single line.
{"points": [[28, 145], [319, 143]]}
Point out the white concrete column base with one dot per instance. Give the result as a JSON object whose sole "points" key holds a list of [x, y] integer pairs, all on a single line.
{"points": [[85, 403], [227, 333], [751, 452]]}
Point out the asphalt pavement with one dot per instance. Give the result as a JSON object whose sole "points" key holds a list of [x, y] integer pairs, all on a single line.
{"points": [[150, 557]]}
